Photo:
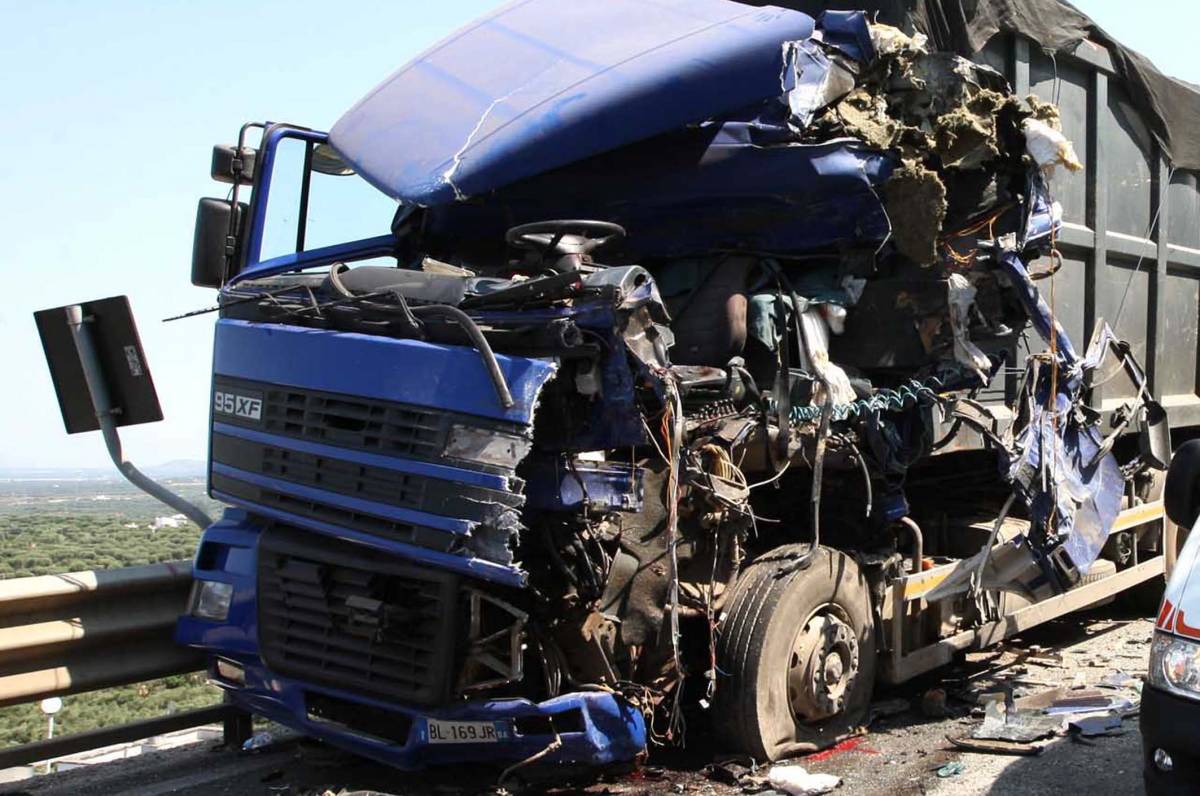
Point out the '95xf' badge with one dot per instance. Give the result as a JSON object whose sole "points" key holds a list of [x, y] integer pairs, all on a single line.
{"points": [[247, 407]]}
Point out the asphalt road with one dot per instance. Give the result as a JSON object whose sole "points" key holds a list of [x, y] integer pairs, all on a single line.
{"points": [[900, 754]]}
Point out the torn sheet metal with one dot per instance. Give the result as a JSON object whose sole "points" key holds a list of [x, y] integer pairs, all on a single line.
{"points": [[1073, 487], [1023, 726]]}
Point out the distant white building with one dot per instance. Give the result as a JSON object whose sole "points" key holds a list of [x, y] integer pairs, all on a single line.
{"points": [[174, 521]]}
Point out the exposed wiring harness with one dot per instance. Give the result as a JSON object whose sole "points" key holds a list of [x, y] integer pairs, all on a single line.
{"points": [[906, 396]]}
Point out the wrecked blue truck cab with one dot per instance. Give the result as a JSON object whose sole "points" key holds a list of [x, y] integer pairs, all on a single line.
{"points": [[623, 383]]}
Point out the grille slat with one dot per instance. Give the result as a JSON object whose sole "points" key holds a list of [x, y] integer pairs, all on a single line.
{"points": [[366, 425], [332, 612]]}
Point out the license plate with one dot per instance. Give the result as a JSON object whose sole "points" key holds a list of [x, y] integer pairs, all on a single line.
{"points": [[467, 731]]}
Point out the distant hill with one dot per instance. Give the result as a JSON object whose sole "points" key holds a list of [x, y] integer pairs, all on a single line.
{"points": [[174, 469], [178, 468]]}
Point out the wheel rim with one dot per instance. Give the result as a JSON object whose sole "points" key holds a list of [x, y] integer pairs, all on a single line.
{"points": [[823, 665]]}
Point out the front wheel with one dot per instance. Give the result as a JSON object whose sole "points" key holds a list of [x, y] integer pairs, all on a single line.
{"points": [[795, 654]]}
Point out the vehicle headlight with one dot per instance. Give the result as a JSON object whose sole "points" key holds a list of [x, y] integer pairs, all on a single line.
{"points": [[211, 599], [1175, 665], [486, 446]]}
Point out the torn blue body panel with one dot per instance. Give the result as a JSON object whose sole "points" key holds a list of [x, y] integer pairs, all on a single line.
{"points": [[1072, 486], [1080, 502]]}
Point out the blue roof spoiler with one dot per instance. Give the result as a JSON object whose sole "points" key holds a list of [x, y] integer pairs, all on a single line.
{"points": [[539, 84]]}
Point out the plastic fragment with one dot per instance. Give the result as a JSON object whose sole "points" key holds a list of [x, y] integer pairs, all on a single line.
{"points": [[795, 781]]}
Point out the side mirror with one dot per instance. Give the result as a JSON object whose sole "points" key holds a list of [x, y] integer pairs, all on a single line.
{"points": [[212, 254], [228, 167], [1181, 494]]}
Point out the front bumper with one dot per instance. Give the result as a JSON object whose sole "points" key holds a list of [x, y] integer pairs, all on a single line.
{"points": [[1170, 723], [595, 728]]}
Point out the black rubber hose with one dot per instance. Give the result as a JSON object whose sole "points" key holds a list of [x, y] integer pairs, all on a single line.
{"points": [[478, 340]]}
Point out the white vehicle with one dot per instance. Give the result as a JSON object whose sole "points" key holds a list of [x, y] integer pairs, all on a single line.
{"points": [[1170, 718]]}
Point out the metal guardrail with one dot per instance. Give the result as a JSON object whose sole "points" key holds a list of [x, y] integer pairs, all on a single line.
{"points": [[82, 631]]}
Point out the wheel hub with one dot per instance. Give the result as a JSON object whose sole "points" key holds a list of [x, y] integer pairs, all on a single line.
{"points": [[823, 667]]}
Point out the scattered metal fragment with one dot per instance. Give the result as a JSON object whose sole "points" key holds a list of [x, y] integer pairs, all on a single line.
{"points": [[1093, 725], [1077, 705], [1016, 725]]}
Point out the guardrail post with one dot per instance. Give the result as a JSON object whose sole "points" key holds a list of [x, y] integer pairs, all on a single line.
{"points": [[237, 726]]}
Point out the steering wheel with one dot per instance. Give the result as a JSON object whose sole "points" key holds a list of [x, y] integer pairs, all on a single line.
{"points": [[571, 242]]}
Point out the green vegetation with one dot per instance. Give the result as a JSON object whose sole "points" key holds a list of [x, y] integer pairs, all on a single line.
{"points": [[24, 723], [49, 526]]}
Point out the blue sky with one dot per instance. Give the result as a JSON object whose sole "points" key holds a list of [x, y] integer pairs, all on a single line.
{"points": [[110, 111]]}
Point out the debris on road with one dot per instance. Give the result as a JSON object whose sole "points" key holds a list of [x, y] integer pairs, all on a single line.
{"points": [[1119, 679], [933, 704], [1095, 724], [1002, 724], [257, 741], [794, 780], [996, 747], [952, 769], [887, 708]]}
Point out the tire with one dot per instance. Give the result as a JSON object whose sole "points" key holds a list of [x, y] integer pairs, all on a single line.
{"points": [[774, 617]]}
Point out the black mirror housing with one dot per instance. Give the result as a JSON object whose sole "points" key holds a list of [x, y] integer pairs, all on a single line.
{"points": [[213, 227], [227, 168]]}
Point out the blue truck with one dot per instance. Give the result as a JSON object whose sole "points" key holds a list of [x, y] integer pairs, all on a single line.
{"points": [[613, 366]]}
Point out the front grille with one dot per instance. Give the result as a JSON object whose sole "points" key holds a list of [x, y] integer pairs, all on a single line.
{"points": [[365, 424], [334, 613], [354, 423], [395, 530], [362, 481]]}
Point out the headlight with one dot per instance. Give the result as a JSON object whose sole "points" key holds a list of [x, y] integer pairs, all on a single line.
{"points": [[211, 599], [1175, 665], [486, 446]]}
